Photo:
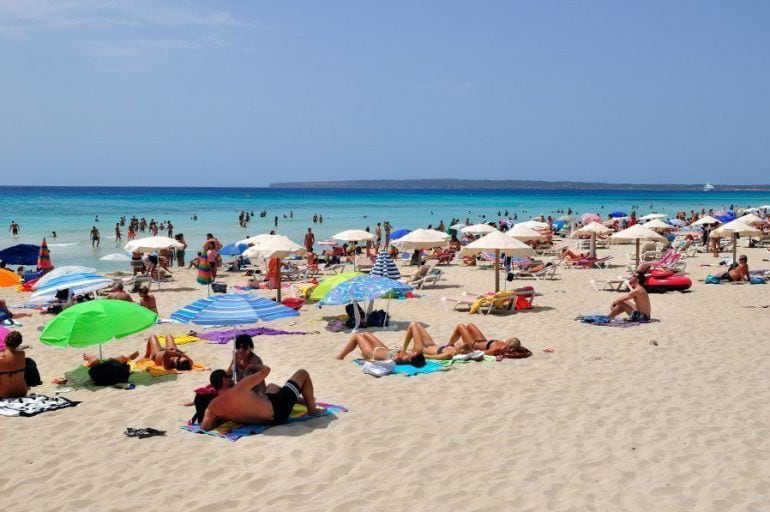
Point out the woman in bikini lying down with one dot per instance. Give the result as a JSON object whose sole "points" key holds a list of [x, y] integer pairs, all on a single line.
{"points": [[170, 357], [424, 342], [474, 339], [373, 349]]}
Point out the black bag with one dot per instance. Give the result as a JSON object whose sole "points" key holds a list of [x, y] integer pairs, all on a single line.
{"points": [[31, 375], [377, 318], [351, 321], [219, 287], [109, 373]]}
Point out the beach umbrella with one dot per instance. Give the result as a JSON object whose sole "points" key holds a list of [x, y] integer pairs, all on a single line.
{"points": [[750, 219], [735, 228], [421, 239], [534, 224], [707, 220], [635, 234], [66, 270], [457, 226], [233, 249], [500, 243], [353, 236], [21, 254], [395, 235], [615, 215], [320, 291], [152, 244], [657, 225], [651, 216], [363, 288], [8, 278], [75, 283], [523, 233], [385, 267], [587, 218], [232, 309], [251, 240], [116, 256], [44, 257], [204, 273], [677, 222], [274, 246], [326, 243], [592, 229], [96, 322], [478, 229]]}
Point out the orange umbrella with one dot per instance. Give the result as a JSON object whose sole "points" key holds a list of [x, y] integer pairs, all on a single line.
{"points": [[8, 278]]}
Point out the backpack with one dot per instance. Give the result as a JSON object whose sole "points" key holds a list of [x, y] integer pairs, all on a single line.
{"points": [[351, 321], [377, 318], [109, 373], [31, 375]]}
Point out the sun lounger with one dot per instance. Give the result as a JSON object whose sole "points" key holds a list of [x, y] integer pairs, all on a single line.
{"points": [[543, 271], [610, 285], [433, 277]]}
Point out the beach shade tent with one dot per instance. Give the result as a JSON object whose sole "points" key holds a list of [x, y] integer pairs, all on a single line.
{"points": [[751, 219], [708, 220], [274, 247], [8, 278], [44, 257], [320, 291], [651, 216], [363, 288], [354, 236], [76, 284], [62, 271], [635, 234], [478, 229], [615, 215], [116, 256], [96, 322], [523, 233], [233, 249], [658, 225], [534, 224], [384, 266], [587, 218], [21, 254], [500, 243], [232, 309], [395, 235], [735, 229], [592, 230], [421, 239]]}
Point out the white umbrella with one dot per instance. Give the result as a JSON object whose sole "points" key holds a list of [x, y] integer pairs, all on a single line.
{"points": [[592, 229], [478, 229], [116, 256], [354, 235], [658, 225], [62, 271], [523, 233], [636, 233], [533, 224], [421, 239], [498, 242], [457, 226], [750, 218], [251, 240], [152, 243], [707, 220], [651, 216], [274, 246], [735, 228]]}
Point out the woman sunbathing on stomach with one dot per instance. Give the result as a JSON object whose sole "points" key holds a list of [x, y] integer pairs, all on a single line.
{"points": [[373, 349]]}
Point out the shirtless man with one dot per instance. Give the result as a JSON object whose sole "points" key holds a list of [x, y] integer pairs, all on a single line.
{"points": [[147, 300], [740, 272], [239, 403], [14, 228], [117, 293], [94, 237], [635, 303]]}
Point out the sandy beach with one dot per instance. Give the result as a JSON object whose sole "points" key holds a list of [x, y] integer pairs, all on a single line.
{"points": [[664, 416]]}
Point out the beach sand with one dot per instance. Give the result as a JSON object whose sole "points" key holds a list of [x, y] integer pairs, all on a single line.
{"points": [[664, 416]]}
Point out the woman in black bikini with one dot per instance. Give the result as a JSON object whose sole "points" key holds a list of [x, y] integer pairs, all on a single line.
{"points": [[474, 339], [170, 357], [424, 342], [12, 364], [373, 349]]}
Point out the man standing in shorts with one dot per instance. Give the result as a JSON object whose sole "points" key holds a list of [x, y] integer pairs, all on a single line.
{"points": [[94, 237]]}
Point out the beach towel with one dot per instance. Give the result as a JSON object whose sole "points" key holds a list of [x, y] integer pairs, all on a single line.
{"points": [[80, 379], [149, 366], [32, 405], [606, 321], [224, 337], [409, 370], [233, 431], [180, 340], [451, 362]]}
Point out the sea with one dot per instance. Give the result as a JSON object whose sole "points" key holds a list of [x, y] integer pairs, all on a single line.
{"points": [[72, 211]]}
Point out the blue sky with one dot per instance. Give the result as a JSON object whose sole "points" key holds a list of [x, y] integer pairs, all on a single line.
{"points": [[244, 93]]}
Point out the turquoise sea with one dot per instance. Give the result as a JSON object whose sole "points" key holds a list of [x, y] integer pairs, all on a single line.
{"points": [[71, 211]]}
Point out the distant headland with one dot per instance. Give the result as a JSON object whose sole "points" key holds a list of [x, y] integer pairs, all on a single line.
{"points": [[455, 184]]}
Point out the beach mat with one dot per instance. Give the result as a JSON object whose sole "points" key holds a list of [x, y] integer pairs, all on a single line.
{"points": [[431, 366], [32, 405], [80, 379], [233, 431], [224, 337]]}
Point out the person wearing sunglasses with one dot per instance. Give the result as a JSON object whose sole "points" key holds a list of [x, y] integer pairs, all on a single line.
{"points": [[246, 361]]}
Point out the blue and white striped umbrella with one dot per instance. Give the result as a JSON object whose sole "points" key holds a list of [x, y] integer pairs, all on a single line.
{"points": [[75, 283], [363, 288], [232, 309], [385, 267]]}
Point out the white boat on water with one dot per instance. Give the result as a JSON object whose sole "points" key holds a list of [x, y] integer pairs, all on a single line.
{"points": [[708, 187]]}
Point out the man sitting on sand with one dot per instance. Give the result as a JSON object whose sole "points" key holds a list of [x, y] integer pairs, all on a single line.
{"points": [[117, 293], [635, 303], [739, 272], [239, 403]]}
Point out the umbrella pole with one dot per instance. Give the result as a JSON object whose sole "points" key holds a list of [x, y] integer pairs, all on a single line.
{"points": [[387, 314], [354, 256], [593, 246], [735, 247], [100, 353], [278, 291], [497, 270], [637, 253], [357, 316], [235, 364]]}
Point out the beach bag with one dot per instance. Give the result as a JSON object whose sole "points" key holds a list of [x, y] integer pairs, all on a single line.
{"points": [[757, 280], [351, 321], [109, 373], [377, 318], [219, 287], [31, 375], [523, 303], [712, 279]]}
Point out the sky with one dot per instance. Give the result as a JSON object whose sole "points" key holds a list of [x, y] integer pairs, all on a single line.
{"points": [[215, 93]]}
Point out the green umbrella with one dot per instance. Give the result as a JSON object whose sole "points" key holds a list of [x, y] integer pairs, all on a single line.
{"points": [[330, 282], [96, 322]]}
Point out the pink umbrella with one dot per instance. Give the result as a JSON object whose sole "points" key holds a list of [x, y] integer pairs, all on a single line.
{"points": [[588, 218]]}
